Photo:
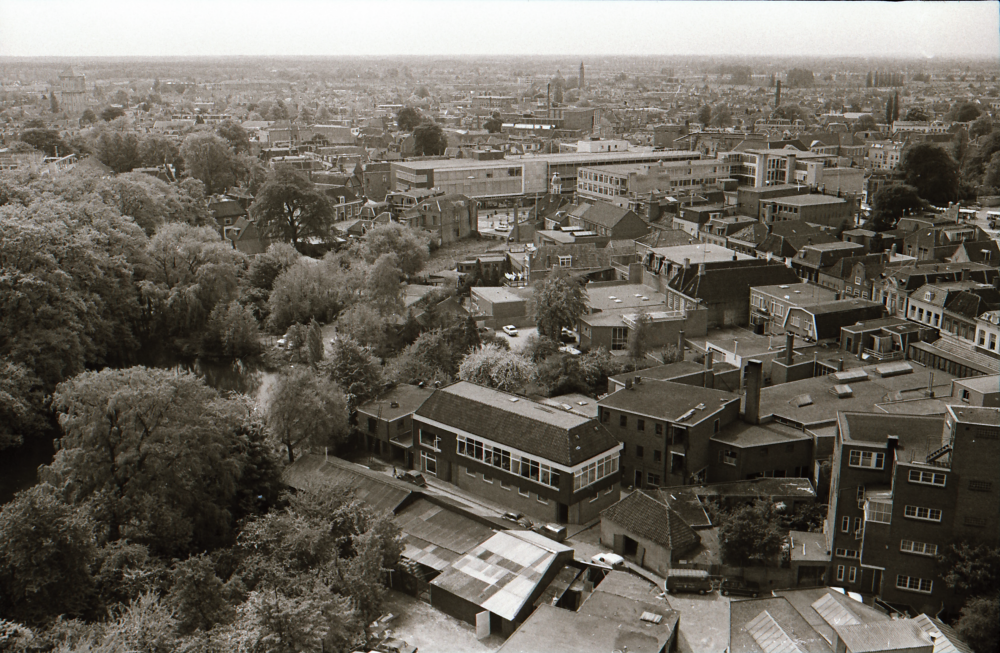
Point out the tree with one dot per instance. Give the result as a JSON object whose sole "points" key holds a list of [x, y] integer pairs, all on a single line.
{"points": [[496, 368], [21, 404], [306, 409], [231, 332], [289, 207], [112, 113], [408, 245], [153, 454], [308, 290], [979, 624], [865, 123], [88, 117], [408, 118], [210, 159], [46, 140], [799, 77], [119, 150], [356, 370], [891, 203], [53, 103], [155, 151], [749, 534], [561, 374], [638, 341], [429, 139], [721, 116], [971, 568], [931, 170], [704, 115], [916, 114], [46, 549], [314, 342], [383, 284], [965, 112], [198, 595], [981, 127], [494, 124], [991, 178], [559, 303], [235, 135], [365, 324]]}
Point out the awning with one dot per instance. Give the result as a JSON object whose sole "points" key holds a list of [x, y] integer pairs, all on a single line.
{"points": [[405, 442]]}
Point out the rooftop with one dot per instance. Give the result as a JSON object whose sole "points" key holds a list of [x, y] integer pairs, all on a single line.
{"points": [[500, 574], [876, 637], [800, 293], [379, 491], [666, 400], [557, 435], [398, 402], [624, 296], [808, 200], [771, 625], [702, 253], [984, 384], [741, 434], [809, 602], [651, 519], [976, 415], [808, 547], [435, 536], [562, 158], [918, 435]]}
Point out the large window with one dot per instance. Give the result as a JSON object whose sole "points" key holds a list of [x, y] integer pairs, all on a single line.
{"points": [[619, 338], [428, 463], [847, 553], [914, 584], [868, 459], [927, 514], [927, 478], [920, 548], [523, 466], [430, 440], [878, 511], [595, 471]]}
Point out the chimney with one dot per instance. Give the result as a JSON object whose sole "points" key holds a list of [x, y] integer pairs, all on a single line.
{"points": [[930, 384], [755, 379], [965, 273], [701, 269], [548, 96], [893, 251], [840, 364], [891, 444], [789, 348], [709, 371], [680, 342], [687, 264]]}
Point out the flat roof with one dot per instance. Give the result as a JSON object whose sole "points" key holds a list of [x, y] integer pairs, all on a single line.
{"points": [[700, 253], [984, 384], [407, 398], [976, 415], [563, 158], [496, 295], [799, 293], [808, 200], [741, 434], [558, 630], [808, 547], [625, 296]]}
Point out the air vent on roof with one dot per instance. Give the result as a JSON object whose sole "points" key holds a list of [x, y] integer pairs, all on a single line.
{"points": [[514, 399], [651, 617], [393, 404], [581, 403], [618, 301], [638, 294], [577, 447], [783, 286], [842, 391], [700, 407], [612, 297], [686, 415], [801, 400], [645, 299], [566, 406]]}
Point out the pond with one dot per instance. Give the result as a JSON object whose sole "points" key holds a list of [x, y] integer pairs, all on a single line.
{"points": [[19, 466]]}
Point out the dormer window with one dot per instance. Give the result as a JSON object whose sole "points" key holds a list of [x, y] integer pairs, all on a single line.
{"points": [[928, 296]]}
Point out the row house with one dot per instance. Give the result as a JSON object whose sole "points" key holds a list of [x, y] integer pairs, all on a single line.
{"points": [[770, 304], [884, 156], [904, 488], [854, 276], [448, 218], [345, 203], [895, 288], [548, 463], [988, 333], [953, 307], [608, 220], [941, 242], [814, 257]]}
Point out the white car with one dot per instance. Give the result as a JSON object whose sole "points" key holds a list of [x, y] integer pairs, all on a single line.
{"points": [[612, 560], [510, 330]]}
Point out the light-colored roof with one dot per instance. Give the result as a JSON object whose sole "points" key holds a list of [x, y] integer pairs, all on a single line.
{"points": [[945, 638], [900, 634], [500, 574], [770, 636]]}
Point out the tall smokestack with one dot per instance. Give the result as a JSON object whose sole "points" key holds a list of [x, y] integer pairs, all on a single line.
{"points": [[755, 380], [548, 96], [777, 94], [789, 348]]}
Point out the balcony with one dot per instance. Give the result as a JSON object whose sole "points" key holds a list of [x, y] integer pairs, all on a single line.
{"points": [[884, 356]]}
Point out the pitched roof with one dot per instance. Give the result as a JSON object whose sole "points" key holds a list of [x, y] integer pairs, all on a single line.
{"points": [[604, 214], [653, 520], [722, 284], [534, 428]]}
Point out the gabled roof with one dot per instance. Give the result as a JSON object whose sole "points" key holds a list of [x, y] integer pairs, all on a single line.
{"points": [[972, 304], [653, 520], [379, 491], [844, 268], [604, 214], [534, 428]]}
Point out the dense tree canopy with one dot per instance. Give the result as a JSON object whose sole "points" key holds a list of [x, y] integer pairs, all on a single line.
{"points": [[496, 368], [749, 534], [307, 409], [429, 139], [290, 208], [891, 203], [409, 246], [559, 303], [153, 455], [408, 118], [931, 170], [210, 159]]}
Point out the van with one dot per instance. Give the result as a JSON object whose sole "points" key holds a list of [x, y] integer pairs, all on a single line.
{"points": [[688, 580]]}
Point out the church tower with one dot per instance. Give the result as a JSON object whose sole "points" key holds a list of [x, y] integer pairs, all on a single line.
{"points": [[582, 83]]}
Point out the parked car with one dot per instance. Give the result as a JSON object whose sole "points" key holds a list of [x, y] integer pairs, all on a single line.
{"points": [[740, 587], [411, 476], [688, 580], [395, 645], [567, 336], [511, 516], [510, 330], [551, 531], [612, 560]]}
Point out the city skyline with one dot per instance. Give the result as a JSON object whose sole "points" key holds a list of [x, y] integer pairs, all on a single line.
{"points": [[108, 28]]}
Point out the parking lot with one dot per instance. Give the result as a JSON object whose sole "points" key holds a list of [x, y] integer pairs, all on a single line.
{"points": [[518, 342]]}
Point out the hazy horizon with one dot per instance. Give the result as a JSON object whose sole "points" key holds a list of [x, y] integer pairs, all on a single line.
{"points": [[452, 28]]}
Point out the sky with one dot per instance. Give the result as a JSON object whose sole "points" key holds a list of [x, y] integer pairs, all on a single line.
{"points": [[497, 27]]}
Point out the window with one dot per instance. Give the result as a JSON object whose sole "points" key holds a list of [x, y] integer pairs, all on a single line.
{"points": [[845, 524], [927, 514], [840, 573], [927, 478], [640, 425], [653, 479], [430, 440], [470, 472], [507, 461], [659, 429], [619, 338], [980, 486], [914, 584], [372, 425], [852, 575], [868, 459], [977, 522], [878, 511], [920, 548], [727, 457], [623, 421], [565, 261], [523, 492], [595, 471], [428, 462], [638, 451], [487, 479], [605, 415], [657, 455], [676, 462], [504, 485], [847, 553], [717, 426]]}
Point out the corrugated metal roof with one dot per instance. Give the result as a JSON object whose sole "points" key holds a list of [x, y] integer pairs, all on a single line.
{"points": [[833, 612], [770, 636], [435, 536], [895, 635], [945, 638]]}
